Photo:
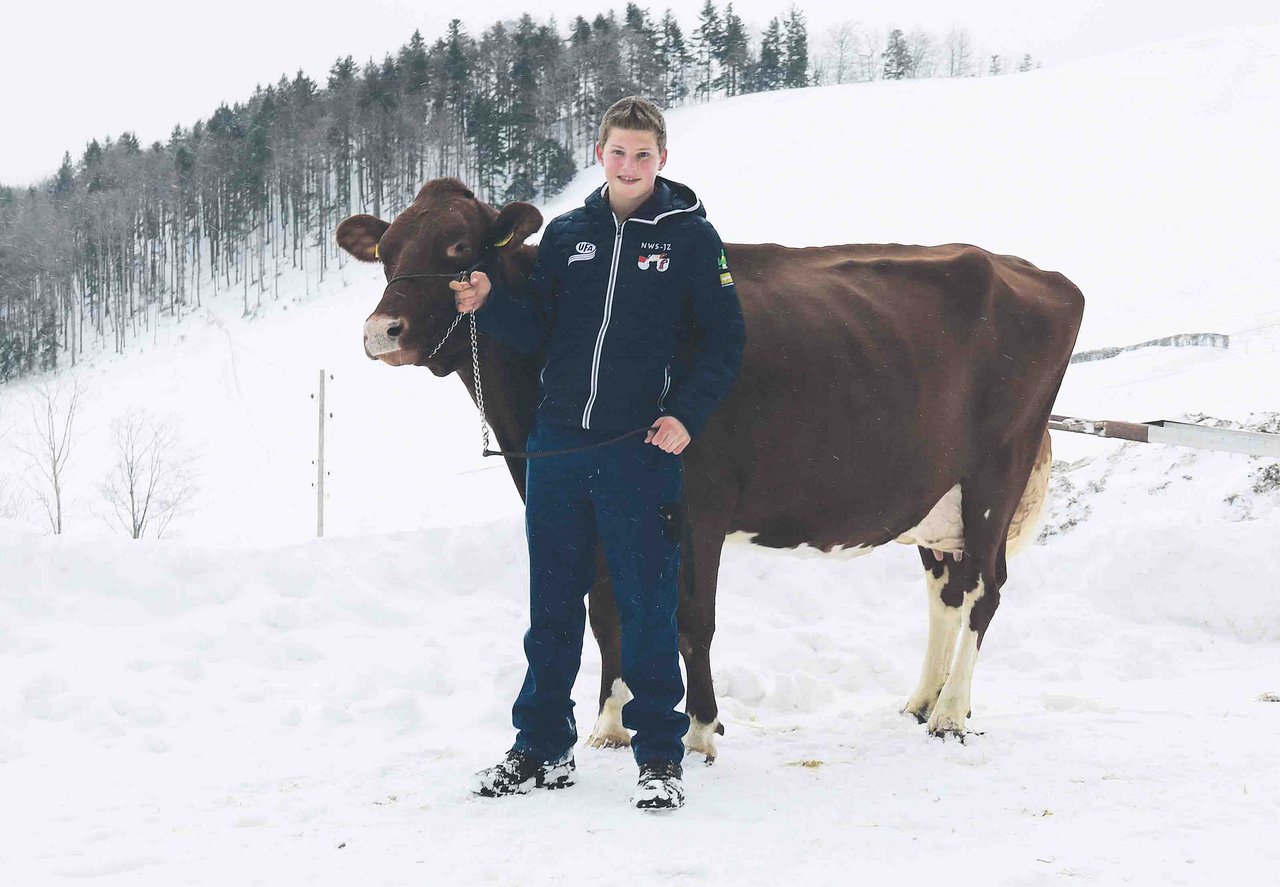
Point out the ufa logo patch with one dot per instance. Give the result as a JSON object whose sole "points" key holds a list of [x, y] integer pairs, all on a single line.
{"points": [[726, 279], [661, 261], [585, 252]]}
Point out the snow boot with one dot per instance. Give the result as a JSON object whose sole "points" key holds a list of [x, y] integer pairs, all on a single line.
{"points": [[520, 772], [660, 786]]}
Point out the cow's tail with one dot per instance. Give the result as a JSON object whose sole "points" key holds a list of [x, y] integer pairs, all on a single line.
{"points": [[1027, 519]]}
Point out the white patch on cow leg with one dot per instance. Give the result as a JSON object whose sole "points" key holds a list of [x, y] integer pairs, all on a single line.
{"points": [[953, 703], [944, 624], [701, 738], [609, 732]]}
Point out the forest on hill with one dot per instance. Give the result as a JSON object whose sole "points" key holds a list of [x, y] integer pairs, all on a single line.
{"points": [[130, 234]]}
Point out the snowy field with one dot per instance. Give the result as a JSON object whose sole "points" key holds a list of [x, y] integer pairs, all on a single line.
{"points": [[240, 703]]}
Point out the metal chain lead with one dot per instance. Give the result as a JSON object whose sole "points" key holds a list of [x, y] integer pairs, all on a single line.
{"points": [[475, 369], [452, 326], [484, 422]]}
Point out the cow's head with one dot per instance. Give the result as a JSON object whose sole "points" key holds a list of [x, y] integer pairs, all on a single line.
{"points": [[445, 230]]}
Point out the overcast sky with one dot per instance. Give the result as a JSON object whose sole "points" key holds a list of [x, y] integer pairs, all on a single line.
{"points": [[72, 71]]}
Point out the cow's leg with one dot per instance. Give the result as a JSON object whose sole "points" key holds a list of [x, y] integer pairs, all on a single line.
{"points": [[966, 588], [990, 498], [608, 731], [697, 618], [945, 595]]}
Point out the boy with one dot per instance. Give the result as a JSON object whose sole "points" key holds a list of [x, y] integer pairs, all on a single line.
{"points": [[635, 314]]}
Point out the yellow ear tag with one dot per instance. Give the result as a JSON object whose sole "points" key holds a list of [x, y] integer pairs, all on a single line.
{"points": [[504, 241], [375, 251]]}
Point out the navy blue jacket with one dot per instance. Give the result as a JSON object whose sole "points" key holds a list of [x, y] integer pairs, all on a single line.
{"points": [[634, 320]]}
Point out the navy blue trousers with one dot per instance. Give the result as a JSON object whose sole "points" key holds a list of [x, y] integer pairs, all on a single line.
{"points": [[627, 495]]}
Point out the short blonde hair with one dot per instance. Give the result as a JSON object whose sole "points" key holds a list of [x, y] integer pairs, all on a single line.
{"points": [[635, 112]]}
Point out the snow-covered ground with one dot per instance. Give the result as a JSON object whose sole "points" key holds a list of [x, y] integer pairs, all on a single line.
{"points": [[239, 703]]}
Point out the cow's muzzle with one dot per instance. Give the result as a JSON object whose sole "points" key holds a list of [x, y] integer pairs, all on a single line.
{"points": [[382, 335]]}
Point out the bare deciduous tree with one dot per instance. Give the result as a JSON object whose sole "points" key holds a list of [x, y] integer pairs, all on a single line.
{"points": [[959, 51], [868, 47], [839, 58], [53, 415], [150, 481], [923, 55]]}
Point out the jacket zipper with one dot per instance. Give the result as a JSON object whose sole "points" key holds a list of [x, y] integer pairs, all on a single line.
{"points": [[666, 386], [604, 324]]}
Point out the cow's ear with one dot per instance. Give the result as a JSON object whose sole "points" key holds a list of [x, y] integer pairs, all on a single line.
{"points": [[359, 235], [514, 225]]}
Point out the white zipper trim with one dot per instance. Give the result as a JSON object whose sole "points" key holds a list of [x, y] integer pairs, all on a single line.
{"points": [[656, 219], [604, 193], [604, 324], [666, 386]]}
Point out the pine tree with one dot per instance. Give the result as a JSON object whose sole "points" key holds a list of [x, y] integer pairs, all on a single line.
{"points": [[91, 167], [708, 38], [1025, 65], [555, 167], [733, 54], [640, 52], [522, 117], [64, 181], [611, 81], [674, 60], [997, 66], [768, 71], [795, 69], [414, 64], [897, 58], [342, 100]]}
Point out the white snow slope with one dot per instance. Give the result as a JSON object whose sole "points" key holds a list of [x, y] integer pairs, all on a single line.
{"points": [[240, 704]]}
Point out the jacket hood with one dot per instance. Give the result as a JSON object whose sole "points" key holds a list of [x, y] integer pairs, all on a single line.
{"points": [[667, 197]]}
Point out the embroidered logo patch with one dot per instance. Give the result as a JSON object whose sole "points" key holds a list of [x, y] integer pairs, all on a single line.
{"points": [[661, 261], [585, 251]]}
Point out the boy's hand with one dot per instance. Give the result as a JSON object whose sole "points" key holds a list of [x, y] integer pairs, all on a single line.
{"points": [[668, 434], [469, 295]]}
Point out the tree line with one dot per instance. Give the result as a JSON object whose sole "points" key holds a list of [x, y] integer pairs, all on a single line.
{"points": [[127, 235]]}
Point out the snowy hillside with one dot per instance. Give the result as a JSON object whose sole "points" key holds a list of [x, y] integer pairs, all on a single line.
{"points": [[241, 703]]}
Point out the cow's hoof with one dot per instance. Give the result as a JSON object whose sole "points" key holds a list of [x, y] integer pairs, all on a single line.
{"points": [[943, 724], [919, 712], [608, 731], [922, 703], [609, 739], [700, 740]]}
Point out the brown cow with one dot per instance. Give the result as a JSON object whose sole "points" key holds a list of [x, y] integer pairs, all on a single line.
{"points": [[887, 393]]}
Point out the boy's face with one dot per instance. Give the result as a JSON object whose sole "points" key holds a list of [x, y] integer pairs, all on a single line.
{"points": [[631, 161]]}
